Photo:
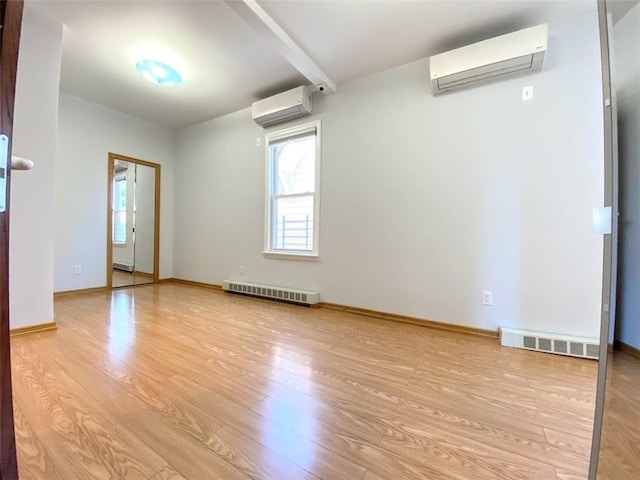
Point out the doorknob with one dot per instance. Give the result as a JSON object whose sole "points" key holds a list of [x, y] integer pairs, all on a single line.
{"points": [[19, 163]]}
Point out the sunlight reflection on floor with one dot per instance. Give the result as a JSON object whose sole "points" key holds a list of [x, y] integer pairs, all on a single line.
{"points": [[122, 331], [279, 439]]}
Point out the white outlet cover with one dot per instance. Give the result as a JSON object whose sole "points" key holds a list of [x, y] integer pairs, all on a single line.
{"points": [[527, 93], [487, 297]]}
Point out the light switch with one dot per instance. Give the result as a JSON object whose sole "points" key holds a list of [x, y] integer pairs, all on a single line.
{"points": [[527, 93]]}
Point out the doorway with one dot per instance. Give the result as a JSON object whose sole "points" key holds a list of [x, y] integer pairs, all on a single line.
{"points": [[133, 222]]}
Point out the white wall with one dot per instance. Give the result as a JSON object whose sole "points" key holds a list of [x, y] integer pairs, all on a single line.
{"points": [[425, 201], [627, 80], [87, 132], [34, 137]]}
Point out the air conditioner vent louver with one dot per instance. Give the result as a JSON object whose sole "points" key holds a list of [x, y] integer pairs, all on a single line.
{"points": [[268, 291], [550, 343], [494, 59]]}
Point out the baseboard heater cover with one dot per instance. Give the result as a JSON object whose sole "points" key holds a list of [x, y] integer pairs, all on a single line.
{"points": [[304, 297], [123, 266], [550, 343]]}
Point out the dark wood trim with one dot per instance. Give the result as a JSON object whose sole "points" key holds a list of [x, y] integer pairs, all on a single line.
{"points": [[11, 22], [478, 332], [156, 220], [626, 348], [43, 327], [81, 291], [192, 283]]}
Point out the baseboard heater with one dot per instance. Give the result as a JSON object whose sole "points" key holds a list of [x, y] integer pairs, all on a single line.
{"points": [[550, 343], [304, 297], [123, 266]]}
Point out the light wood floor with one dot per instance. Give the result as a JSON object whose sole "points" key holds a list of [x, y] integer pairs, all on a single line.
{"points": [[124, 279], [177, 382]]}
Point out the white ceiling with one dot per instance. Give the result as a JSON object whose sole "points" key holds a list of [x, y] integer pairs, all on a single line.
{"points": [[227, 65]]}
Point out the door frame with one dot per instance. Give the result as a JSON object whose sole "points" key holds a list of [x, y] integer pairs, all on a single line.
{"points": [[156, 215], [610, 244], [11, 22]]}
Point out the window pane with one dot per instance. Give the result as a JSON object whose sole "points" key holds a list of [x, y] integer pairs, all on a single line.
{"points": [[120, 227], [293, 223], [119, 207], [294, 165], [120, 194]]}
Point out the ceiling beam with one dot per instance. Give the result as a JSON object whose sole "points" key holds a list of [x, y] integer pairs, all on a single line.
{"points": [[268, 28]]}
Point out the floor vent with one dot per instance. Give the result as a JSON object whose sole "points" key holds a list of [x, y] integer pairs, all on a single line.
{"points": [[550, 343], [123, 266], [304, 297]]}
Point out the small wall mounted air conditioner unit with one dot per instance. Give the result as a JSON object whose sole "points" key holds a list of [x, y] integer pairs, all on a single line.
{"points": [[494, 59], [282, 107], [120, 166]]}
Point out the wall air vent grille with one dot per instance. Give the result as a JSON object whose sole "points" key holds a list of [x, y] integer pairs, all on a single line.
{"points": [[550, 343], [593, 351], [304, 297], [123, 266], [560, 346]]}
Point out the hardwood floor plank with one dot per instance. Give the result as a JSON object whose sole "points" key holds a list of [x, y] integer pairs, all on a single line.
{"points": [[104, 447], [173, 382], [258, 461], [568, 451], [297, 412], [300, 450], [167, 473], [563, 474], [34, 461], [191, 457], [384, 462], [460, 456]]}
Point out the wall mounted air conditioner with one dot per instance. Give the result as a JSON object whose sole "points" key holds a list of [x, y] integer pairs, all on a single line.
{"points": [[120, 166], [283, 107], [494, 59]]}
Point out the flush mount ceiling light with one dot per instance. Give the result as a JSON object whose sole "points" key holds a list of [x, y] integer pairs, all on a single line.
{"points": [[158, 72]]}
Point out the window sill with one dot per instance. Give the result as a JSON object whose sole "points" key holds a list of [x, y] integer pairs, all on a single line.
{"points": [[119, 245], [305, 257]]}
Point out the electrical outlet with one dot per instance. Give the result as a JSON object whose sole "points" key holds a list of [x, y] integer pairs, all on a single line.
{"points": [[487, 297], [77, 269], [242, 270]]}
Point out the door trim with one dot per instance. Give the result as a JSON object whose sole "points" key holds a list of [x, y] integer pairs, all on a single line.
{"points": [[11, 22], [156, 215], [610, 244]]}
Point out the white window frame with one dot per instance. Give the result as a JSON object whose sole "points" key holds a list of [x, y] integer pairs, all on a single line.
{"points": [[269, 251]]}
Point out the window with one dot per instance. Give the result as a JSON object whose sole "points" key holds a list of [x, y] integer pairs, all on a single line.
{"points": [[293, 186], [119, 209]]}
